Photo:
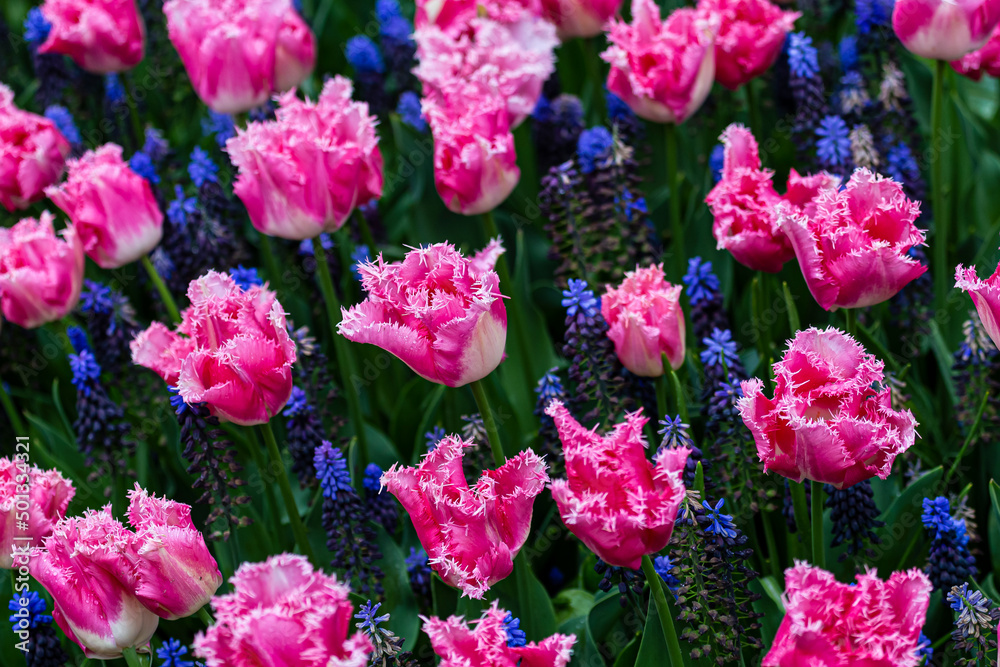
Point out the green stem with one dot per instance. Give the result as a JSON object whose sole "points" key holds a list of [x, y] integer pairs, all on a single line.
{"points": [[206, 617], [133, 112], [12, 413], [819, 551], [131, 657], [798, 490], [663, 611], [161, 287], [753, 111], [298, 528], [942, 269], [595, 79], [973, 432], [772, 546], [348, 373], [366, 232], [270, 263], [849, 321], [488, 422], [661, 395], [262, 472], [676, 224]]}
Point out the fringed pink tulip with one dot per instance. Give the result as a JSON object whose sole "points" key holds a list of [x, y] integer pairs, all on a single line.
{"points": [[614, 499], [872, 623], [475, 166], [454, 16], [161, 350], [101, 36], [305, 172], [458, 645], [744, 204], [232, 351], [440, 313], [471, 536], [40, 274], [751, 35], [175, 573], [645, 321], [112, 208], [283, 613], [511, 61], [854, 248], [831, 419], [86, 567], [32, 502], [580, 18], [944, 29], [32, 154], [662, 69], [985, 60], [986, 297], [239, 52]]}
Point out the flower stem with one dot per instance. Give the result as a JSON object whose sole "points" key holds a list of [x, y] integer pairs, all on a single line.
{"points": [[798, 490], [161, 287], [11, 410], [488, 422], [941, 266], [133, 112], [298, 528], [593, 64], [365, 230], [663, 611], [661, 395], [206, 617], [753, 111], [849, 321], [819, 552], [676, 225], [772, 546], [131, 657], [348, 372]]}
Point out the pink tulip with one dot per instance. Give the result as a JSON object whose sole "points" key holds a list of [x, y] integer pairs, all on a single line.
{"points": [[239, 52], [511, 61], [985, 60], [662, 69], [283, 613], [744, 204], [241, 367], [458, 645], [161, 350], [872, 623], [101, 36], [305, 172], [985, 296], [645, 321], [32, 154], [831, 419], [232, 351], [618, 503], [580, 18], [471, 536], [454, 16], [751, 35], [86, 567], [854, 248], [175, 573], [439, 312], [112, 208], [40, 274], [32, 502], [475, 166], [944, 29]]}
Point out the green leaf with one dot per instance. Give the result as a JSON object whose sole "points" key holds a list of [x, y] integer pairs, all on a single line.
{"points": [[793, 313], [572, 603], [399, 598], [653, 648], [532, 604], [903, 530], [628, 656]]}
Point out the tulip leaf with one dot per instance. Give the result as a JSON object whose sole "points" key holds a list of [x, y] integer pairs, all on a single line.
{"points": [[995, 498], [793, 313], [628, 656], [572, 604], [903, 530], [399, 598]]}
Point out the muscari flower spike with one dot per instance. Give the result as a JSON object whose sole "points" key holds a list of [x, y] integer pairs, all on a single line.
{"points": [[833, 143], [720, 349], [579, 299], [246, 277], [172, 654], [201, 168], [515, 635]]}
